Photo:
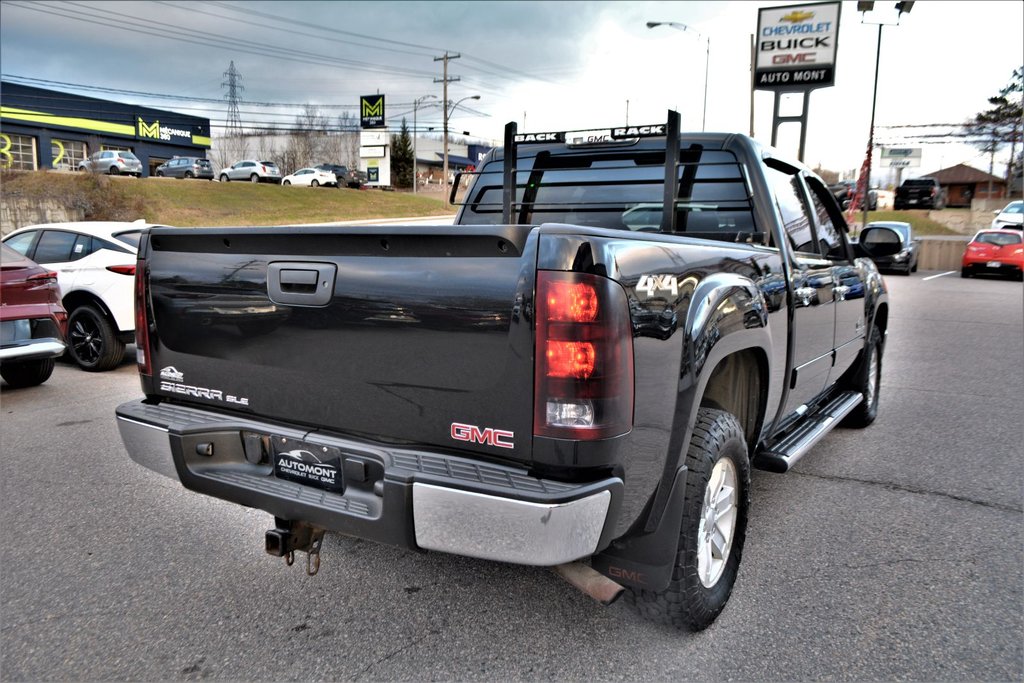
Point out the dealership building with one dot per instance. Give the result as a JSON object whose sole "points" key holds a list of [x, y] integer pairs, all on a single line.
{"points": [[42, 129]]}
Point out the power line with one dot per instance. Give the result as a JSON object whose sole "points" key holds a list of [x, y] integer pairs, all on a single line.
{"points": [[169, 32]]}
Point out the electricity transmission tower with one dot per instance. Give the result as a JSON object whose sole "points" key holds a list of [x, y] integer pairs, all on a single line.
{"points": [[235, 87]]}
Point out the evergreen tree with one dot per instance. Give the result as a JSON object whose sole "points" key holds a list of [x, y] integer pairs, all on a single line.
{"points": [[993, 128], [402, 158]]}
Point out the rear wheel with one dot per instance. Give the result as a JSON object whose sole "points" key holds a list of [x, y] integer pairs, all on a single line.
{"points": [[964, 272], [190, 174], [92, 341], [254, 178], [27, 373], [113, 170], [713, 529], [314, 183]]}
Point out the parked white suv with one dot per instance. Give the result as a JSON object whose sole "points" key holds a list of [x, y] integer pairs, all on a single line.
{"points": [[95, 265], [251, 170]]}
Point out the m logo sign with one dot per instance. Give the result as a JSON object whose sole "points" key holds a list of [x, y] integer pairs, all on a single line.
{"points": [[147, 130], [371, 110]]}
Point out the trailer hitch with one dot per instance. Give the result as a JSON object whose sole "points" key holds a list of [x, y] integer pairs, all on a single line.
{"points": [[287, 536]]}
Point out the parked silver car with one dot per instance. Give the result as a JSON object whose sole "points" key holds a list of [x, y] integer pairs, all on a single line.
{"points": [[114, 162], [251, 170], [186, 167]]}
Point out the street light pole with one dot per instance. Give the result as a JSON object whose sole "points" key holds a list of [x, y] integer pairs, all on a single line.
{"points": [[447, 115], [707, 59], [864, 181], [415, 106]]}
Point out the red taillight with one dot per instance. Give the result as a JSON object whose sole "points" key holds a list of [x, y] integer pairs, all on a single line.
{"points": [[142, 354], [123, 270], [572, 302], [43, 278], [570, 359], [583, 379]]}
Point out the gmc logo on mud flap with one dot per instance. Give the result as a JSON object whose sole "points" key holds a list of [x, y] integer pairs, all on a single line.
{"points": [[486, 436], [627, 574]]}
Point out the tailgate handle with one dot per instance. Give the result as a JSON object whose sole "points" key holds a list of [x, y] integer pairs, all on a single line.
{"points": [[301, 284]]}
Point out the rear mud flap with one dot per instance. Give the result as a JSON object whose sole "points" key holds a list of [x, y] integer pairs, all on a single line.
{"points": [[647, 560]]}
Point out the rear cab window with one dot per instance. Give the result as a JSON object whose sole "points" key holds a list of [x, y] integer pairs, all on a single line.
{"points": [[623, 189]]}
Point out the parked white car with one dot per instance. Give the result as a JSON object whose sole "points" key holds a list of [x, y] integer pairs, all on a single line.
{"points": [[252, 170], [310, 177], [95, 265], [1012, 216]]}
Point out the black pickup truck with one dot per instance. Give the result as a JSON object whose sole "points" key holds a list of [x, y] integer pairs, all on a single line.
{"points": [[570, 376], [919, 193]]}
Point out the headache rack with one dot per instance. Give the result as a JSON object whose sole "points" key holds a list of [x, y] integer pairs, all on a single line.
{"points": [[709, 189]]}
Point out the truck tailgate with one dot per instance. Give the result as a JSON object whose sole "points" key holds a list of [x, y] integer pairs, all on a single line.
{"points": [[409, 332]]}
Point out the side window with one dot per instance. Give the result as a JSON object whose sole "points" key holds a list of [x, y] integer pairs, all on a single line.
{"points": [[82, 247], [795, 218], [54, 247], [23, 242], [830, 242]]}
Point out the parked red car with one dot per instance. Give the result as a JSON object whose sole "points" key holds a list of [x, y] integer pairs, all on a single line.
{"points": [[999, 252], [33, 324]]}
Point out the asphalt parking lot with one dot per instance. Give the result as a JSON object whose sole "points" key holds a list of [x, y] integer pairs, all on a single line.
{"points": [[894, 552]]}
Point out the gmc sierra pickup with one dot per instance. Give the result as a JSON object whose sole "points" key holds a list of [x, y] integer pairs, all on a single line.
{"points": [[570, 376]]}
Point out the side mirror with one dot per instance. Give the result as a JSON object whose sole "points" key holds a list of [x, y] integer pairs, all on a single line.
{"points": [[880, 241]]}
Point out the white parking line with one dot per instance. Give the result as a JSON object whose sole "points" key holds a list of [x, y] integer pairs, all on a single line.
{"points": [[932, 277]]}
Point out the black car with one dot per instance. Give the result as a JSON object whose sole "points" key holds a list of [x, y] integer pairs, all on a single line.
{"points": [[905, 260], [186, 167], [844, 191], [346, 177]]}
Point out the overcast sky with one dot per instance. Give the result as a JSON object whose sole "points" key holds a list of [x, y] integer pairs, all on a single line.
{"points": [[552, 65]]}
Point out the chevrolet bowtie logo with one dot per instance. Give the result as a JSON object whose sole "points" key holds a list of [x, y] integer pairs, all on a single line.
{"points": [[796, 16]]}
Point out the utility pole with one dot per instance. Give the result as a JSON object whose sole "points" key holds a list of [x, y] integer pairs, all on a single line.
{"points": [[415, 105], [446, 80]]}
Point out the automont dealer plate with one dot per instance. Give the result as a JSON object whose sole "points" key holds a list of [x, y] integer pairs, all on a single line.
{"points": [[309, 464]]}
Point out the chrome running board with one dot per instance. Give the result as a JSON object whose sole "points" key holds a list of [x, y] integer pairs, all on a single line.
{"points": [[783, 455]]}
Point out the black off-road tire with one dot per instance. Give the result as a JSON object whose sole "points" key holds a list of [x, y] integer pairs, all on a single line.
{"points": [[862, 381], [27, 373], [687, 603], [93, 343]]}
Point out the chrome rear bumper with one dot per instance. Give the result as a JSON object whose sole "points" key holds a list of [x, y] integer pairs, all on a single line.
{"points": [[402, 497]]}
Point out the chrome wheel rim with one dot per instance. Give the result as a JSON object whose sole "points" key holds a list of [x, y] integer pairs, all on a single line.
{"points": [[86, 340], [717, 527]]}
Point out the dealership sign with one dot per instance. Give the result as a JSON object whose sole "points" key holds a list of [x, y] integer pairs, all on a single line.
{"points": [[901, 157], [371, 111], [796, 46]]}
